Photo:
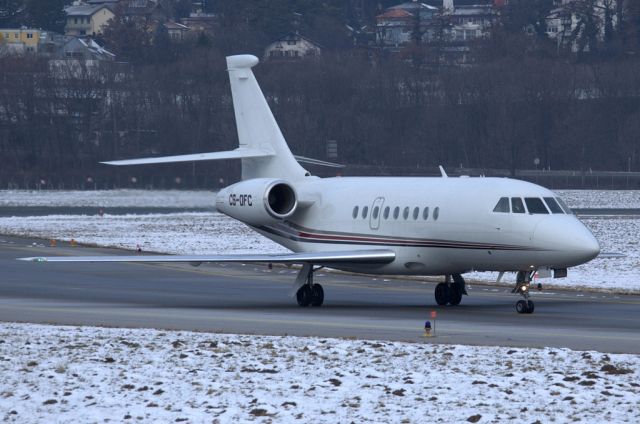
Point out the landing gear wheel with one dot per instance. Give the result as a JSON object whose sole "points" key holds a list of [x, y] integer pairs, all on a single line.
{"points": [[523, 282], [455, 295], [530, 306], [310, 295], [442, 294], [317, 295], [522, 307], [304, 295]]}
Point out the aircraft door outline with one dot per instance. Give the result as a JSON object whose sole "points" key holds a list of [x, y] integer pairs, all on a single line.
{"points": [[374, 219]]}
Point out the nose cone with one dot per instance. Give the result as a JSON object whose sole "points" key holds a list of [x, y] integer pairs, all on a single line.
{"points": [[569, 240]]}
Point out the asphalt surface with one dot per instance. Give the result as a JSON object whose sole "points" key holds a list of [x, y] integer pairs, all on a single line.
{"points": [[255, 300]]}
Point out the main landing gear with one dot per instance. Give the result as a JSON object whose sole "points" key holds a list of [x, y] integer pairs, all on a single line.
{"points": [[450, 292], [308, 293], [523, 282]]}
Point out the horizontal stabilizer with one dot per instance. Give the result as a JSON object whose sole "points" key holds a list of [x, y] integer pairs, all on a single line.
{"points": [[317, 162], [229, 154], [378, 256]]}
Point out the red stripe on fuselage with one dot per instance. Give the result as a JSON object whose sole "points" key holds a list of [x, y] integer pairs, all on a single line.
{"points": [[291, 232]]}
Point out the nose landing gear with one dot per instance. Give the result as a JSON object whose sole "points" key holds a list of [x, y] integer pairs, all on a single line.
{"points": [[525, 306], [523, 282]]}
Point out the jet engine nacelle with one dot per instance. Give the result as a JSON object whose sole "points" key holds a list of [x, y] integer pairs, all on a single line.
{"points": [[258, 201]]}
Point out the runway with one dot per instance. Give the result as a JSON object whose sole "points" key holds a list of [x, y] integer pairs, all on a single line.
{"points": [[255, 300]]}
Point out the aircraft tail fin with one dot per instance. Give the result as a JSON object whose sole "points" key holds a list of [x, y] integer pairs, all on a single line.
{"points": [[262, 148], [257, 128]]}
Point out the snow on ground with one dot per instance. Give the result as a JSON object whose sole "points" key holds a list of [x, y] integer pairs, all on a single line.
{"points": [[214, 233], [178, 233], [109, 198], [582, 199], [601, 199], [615, 234], [88, 374]]}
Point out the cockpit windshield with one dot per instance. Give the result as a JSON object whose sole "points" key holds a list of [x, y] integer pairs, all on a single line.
{"points": [[516, 205], [534, 205], [503, 205], [564, 206], [553, 206]]}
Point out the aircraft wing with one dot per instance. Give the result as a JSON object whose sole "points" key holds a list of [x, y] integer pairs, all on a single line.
{"points": [[611, 255], [377, 256]]}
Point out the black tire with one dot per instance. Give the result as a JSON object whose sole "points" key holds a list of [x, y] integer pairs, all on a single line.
{"points": [[455, 295], [522, 307], [304, 295], [317, 295], [530, 306], [442, 294]]}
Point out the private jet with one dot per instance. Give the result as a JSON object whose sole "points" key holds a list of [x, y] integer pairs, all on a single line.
{"points": [[427, 226]]}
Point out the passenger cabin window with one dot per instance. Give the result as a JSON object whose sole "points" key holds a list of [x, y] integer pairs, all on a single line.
{"points": [[425, 213], [365, 211], [553, 206], [436, 213], [355, 212], [564, 206], [405, 212], [416, 213], [375, 212], [386, 212], [502, 205], [396, 212], [516, 205], [535, 205]]}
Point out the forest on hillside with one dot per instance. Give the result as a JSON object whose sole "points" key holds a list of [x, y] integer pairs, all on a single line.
{"points": [[521, 102]]}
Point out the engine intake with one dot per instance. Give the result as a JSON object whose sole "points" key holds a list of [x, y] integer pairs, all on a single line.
{"points": [[281, 200], [258, 201]]}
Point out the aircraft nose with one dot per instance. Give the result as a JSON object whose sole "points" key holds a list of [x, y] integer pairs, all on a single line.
{"points": [[569, 238], [585, 244]]}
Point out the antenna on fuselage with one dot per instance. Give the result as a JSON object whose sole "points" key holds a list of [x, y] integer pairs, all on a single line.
{"points": [[444, 174]]}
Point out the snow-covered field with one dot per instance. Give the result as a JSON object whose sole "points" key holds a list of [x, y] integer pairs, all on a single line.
{"points": [[615, 234], [601, 199], [109, 198], [88, 374], [214, 233], [179, 233]]}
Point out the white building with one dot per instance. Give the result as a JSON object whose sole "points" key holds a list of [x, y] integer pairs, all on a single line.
{"points": [[568, 22], [459, 20], [79, 58], [87, 19], [176, 31], [292, 46], [469, 20]]}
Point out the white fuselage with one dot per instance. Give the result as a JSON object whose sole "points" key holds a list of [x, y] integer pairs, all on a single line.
{"points": [[460, 232]]}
